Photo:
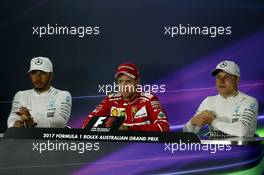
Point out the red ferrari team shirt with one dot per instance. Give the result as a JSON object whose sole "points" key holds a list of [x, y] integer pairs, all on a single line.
{"points": [[143, 113]]}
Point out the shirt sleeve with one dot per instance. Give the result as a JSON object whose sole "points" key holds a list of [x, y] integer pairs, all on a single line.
{"points": [[189, 127], [16, 104], [103, 109], [157, 116], [246, 124], [61, 115]]}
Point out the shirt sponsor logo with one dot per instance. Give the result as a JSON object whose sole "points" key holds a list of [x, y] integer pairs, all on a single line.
{"points": [[155, 104], [234, 120], [134, 110], [51, 104], [68, 99], [50, 114], [141, 113], [118, 112], [253, 105], [161, 115], [237, 109]]}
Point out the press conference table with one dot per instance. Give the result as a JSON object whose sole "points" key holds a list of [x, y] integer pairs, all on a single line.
{"points": [[18, 155]]}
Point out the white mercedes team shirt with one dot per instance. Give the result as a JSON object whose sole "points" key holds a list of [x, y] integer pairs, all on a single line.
{"points": [[235, 116], [51, 109]]}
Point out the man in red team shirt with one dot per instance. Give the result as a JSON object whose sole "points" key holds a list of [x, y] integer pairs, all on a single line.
{"points": [[142, 111]]}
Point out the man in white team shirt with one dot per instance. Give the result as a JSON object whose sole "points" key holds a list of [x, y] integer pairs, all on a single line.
{"points": [[231, 112], [43, 106]]}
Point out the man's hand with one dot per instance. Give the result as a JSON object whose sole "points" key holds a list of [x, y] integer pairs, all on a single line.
{"points": [[205, 117], [25, 117], [123, 128], [24, 114], [198, 120], [18, 124], [210, 116]]}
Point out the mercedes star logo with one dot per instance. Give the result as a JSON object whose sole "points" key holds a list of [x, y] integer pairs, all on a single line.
{"points": [[224, 64], [38, 61]]}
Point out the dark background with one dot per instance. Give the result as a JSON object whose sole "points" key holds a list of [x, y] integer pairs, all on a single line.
{"points": [[131, 31]]}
